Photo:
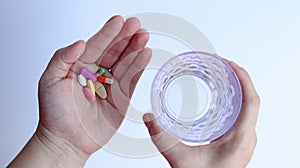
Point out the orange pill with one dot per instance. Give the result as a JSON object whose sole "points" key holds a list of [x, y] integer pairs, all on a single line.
{"points": [[106, 80]]}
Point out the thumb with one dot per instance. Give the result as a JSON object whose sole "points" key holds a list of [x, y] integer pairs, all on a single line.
{"points": [[169, 146], [62, 61]]}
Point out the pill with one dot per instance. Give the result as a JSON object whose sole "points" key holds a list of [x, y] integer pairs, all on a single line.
{"points": [[104, 79], [91, 86], [100, 71], [88, 94], [81, 80], [86, 73], [100, 90]]}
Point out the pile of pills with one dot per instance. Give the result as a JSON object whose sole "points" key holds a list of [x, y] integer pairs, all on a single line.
{"points": [[93, 83]]}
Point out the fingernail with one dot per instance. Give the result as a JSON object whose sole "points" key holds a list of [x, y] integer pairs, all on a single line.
{"points": [[75, 45], [227, 60], [79, 47], [73, 51], [235, 64], [82, 49], [112, 18], [148, 117], [217, 55]]}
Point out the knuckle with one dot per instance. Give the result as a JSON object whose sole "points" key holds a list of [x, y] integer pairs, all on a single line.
{"points": [[255, 101], [59, 51]]}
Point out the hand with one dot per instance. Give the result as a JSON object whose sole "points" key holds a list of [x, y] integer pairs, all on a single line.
{"points": [[233, 149], [65, 114]]}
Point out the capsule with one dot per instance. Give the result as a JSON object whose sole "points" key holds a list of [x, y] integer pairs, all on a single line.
{"points": [[86, 73], [82, 80], [106, 80], [88, 94], [100, 90], [101, 71], [91, 86]]}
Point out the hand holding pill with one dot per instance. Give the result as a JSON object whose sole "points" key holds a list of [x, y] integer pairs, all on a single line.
{"points": [[84, 94], [86, 88], [87, 78]]}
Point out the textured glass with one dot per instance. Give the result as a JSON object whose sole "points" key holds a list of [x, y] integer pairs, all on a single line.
{"points": [[225, 101]]}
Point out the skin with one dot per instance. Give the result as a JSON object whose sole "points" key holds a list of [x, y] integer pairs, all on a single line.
{"points": [[233, 150], [71, 128]]}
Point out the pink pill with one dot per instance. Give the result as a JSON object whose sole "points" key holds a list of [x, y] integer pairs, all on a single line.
{"points": [[88, 94], [86, 73]]}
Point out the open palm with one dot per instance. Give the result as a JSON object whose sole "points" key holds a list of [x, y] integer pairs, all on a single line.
{"points": [[64, 110]]}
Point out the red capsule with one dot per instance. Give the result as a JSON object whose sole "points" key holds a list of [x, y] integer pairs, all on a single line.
{"points": [[104, 79]]}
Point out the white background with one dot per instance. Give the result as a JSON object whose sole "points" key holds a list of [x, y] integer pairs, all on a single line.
{"points": [[262, 36]]}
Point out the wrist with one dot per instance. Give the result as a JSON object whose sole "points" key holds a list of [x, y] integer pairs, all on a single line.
{"points": [[61, 152]]}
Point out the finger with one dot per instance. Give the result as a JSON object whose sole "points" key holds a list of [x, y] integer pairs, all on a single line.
{"points": [[167, 145], [137, 43], [62, 61], [120, 92], [101, 40], [134, 71], [117, 98], [248, 116], [143, 61], [119, 43]]}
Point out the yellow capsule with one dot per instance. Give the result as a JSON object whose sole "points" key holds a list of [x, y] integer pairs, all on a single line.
{"points": [[91, 86], [100, 90]]}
